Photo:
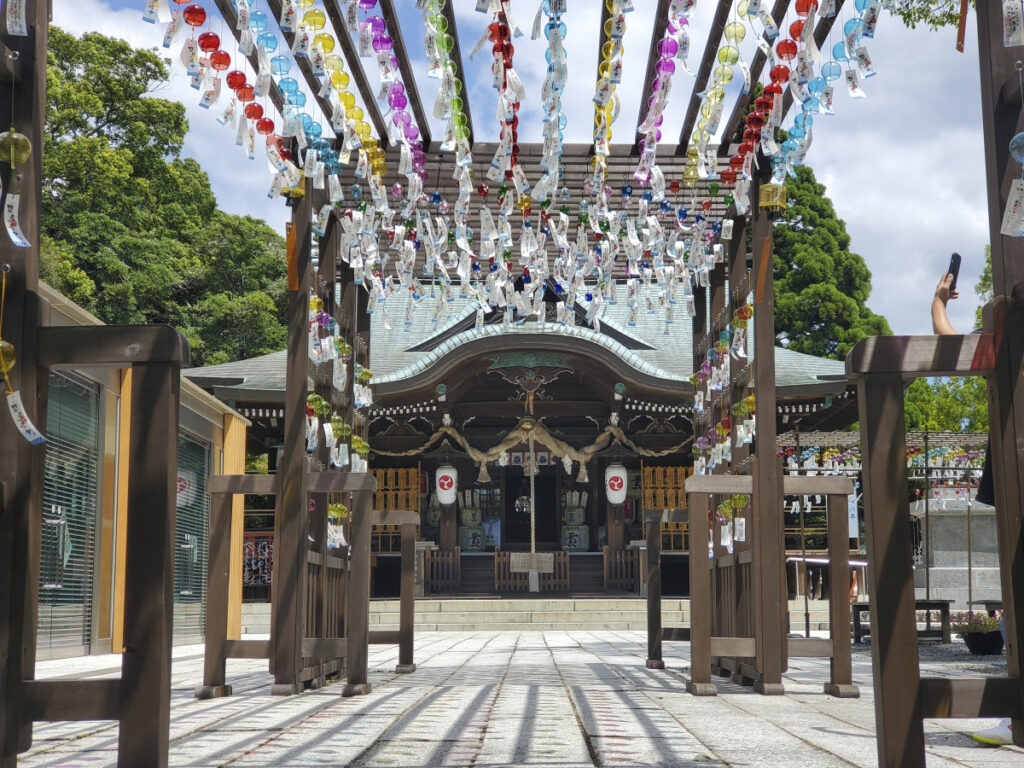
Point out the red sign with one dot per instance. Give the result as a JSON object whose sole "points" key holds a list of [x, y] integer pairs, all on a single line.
{"points": [[615, 483], [445, 482]]}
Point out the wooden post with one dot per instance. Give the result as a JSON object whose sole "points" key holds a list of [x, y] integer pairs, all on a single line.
{"points": [[357, 601], [841, 682], [653, 577], [21, 464], [217, 588], [700, 597], [288, 611], [407, 598], [1001, 119], [768, 532], [145, 690], [890, 563]]}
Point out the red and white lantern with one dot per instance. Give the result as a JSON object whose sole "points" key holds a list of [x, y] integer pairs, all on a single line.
{"points": [[446, 484], [615, 483]]}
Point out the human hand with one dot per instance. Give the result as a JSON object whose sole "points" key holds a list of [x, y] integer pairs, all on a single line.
{"points": [[942, 292]]}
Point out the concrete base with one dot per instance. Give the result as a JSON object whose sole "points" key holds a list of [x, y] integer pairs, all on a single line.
{"points": [[405, 669], [842, 690], [655, 664], [770, 689], [701, 689], [212, 691], [356, 689], [285, 689]]}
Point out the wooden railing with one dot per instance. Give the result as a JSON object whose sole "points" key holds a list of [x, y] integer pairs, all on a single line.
{"points": [[621, 570], [441, 570], [505, 580]]}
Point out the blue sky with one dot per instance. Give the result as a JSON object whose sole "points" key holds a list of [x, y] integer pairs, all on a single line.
{"points": [[904, 167]]}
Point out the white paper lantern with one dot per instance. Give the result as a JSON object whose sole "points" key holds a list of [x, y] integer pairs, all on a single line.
{"points": [[446, 484], [615, 484]]}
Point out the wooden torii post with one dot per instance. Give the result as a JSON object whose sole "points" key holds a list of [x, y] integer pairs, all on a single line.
{"points": [[883, 366]]}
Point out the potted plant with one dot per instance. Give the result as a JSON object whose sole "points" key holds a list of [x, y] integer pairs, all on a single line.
{"points": [[979, 630]]}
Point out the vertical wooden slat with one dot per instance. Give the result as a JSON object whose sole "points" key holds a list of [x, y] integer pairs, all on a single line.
{"points": [[700, 598], [653, 576], [357, 601], [234, 464], [1001, 119], [407, 598], [841, 682], [149, 567], [890, 563], [218, 587], [290, 534]]}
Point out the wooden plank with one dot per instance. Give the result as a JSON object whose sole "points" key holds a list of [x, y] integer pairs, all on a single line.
{"points": [[247, 649], [407, 600], [324, 647], [798, 485], [735, 647], [234, 463], [740, 108], [72, 700], [356, 70], [149, 566], [660, 25], [704, 72], [809, 647], [913, 356], [385, 637], [841, 664], [460, 72], [111, 346], [890, 563], [261, 484], [395, 517], [653, 579], [969, 697], [719, 484], [121, 533], [387, 9], [218, 581], [700, 601], [335, 482], [357, 600]]}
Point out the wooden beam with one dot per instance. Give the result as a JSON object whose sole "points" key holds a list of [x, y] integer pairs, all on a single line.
{"points": [[324, 647], [704, 73], [810, 647], [355, 66], [261, 484], [968, 697], [412, 91], [736, 647], [821, 31], [247, 649], [230, 16], [660, 24], [460, 71], [304, 66], [73, 700], [915, 356], [739, 110], [330, 482], [118, 346], [385, 637], [395, 517]]}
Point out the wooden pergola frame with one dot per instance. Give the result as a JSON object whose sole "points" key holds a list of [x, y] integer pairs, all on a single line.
{"points": [[881, 366]]}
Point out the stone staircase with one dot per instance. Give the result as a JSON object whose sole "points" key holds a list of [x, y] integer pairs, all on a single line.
{"points": [[536, 613]]}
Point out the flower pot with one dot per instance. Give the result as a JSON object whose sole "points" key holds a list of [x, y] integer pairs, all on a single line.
{"points": [[983, 643]]}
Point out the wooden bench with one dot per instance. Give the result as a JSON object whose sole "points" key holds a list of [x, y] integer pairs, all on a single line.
{"points": [[942, 606]]}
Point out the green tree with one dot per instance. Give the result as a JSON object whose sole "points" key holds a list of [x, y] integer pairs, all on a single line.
{"points": [[820, 286], [931, 13], [131, 229], [984, 286]]}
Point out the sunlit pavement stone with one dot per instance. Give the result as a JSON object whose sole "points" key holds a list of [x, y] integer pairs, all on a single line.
{"points": [[508, 699]]}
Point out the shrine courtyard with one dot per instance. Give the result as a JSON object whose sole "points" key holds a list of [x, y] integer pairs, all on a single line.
{"points": [[566, 699]]}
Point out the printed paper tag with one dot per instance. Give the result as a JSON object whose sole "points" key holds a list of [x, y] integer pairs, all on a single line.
{"points": [[16, 22], [853, 85], [22, 421], [1013, 216], [1013, 24], [173, 28], [11, 214]]}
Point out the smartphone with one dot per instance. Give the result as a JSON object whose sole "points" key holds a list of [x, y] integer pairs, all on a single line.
{"points": [[954, 270]]}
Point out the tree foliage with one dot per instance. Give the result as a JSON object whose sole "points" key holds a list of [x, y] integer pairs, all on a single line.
{"points": [[131, 229], [820, 286], [930, 13]]}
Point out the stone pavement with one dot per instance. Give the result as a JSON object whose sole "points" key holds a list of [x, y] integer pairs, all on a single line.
{"points": [[489, 699]]}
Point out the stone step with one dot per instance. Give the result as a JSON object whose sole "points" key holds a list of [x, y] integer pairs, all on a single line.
{"points": [[519, 614]]}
